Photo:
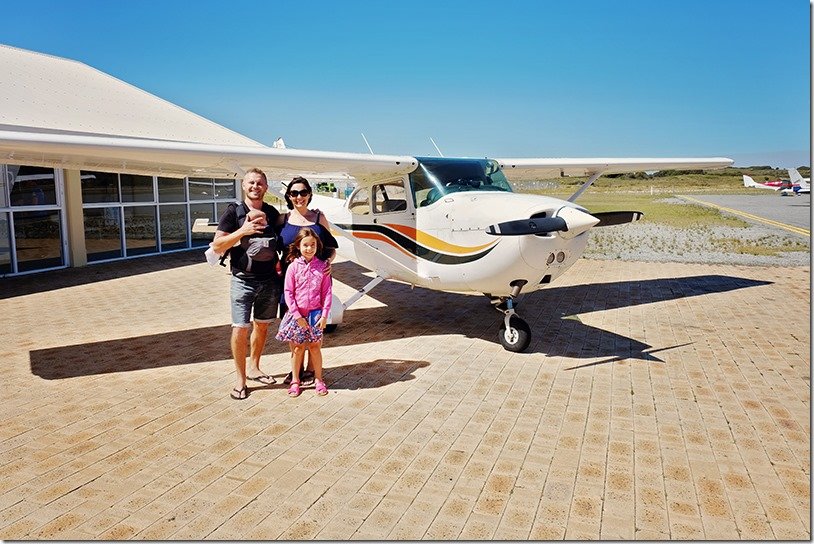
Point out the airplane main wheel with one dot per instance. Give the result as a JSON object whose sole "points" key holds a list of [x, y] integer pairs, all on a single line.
{"points": [[330, 328], [517, 337]]}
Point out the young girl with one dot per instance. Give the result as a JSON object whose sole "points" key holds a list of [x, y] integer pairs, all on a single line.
{"points": [[308, 296]]}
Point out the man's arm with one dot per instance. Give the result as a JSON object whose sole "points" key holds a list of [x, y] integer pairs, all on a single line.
{"points": [[225, 240]]}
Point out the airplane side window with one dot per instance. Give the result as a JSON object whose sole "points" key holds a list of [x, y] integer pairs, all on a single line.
{"points": [[389, 197], [360, 202]]}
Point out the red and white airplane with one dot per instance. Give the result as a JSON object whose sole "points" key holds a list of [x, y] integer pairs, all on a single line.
{"points": [[773, 185]]}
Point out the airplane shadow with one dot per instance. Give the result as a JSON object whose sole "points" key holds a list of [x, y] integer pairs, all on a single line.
{"points": [[551, 313]]}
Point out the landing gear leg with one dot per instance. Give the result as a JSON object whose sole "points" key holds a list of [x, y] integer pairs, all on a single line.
{"points": [[514, 334]]}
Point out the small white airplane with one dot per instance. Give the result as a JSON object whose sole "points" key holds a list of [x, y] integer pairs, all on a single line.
{"points": [[800, 185], [749, 182], [450, 224]]}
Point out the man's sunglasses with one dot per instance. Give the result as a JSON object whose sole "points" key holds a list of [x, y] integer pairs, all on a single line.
{"points": [[295, 193]]}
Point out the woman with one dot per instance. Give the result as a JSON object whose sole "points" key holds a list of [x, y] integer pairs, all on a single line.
{"points": [[298, 196]]}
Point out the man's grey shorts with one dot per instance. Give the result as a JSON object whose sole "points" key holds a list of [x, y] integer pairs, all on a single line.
{"points": [[262, 295]]}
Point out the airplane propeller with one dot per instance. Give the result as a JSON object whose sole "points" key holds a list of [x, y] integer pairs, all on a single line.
{"points": [[568, 221], [606, 219], [520, 227]]}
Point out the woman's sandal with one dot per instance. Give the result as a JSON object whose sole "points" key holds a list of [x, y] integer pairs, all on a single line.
{"points": [[321, 388], [294, 389], [240, 394]]}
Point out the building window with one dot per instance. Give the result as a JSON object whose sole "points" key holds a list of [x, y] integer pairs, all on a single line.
{"points": [[140, 232], [103, 233], [6, 266], [31, 220], [31, 186], [100, 187], [173, 219], [150, 215], [136, 188], [171, 190]]}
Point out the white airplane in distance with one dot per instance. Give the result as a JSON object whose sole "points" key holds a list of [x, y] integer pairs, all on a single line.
{"points": [[800, 185], [749, 182], [449, 224]]}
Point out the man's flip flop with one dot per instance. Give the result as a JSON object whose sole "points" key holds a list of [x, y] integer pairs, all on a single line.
{"points": [[242, 394], [264, 379]]}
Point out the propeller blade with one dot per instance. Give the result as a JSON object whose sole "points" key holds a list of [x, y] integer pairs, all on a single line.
{"points": [[520, 227], [606, 219]]}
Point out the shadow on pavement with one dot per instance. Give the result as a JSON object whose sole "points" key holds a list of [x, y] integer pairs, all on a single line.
{"points": [[553, 315]]}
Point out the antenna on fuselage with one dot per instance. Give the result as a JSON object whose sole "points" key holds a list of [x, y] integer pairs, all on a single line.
{"points": [[367, 144], [436, 147]]}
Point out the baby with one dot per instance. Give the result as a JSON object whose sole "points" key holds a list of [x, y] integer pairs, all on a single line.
{"points": [[255, 214], [214, 259]]}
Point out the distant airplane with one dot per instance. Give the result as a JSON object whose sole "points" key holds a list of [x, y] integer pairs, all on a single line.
{"points": [[749, 182], [799, 184]]}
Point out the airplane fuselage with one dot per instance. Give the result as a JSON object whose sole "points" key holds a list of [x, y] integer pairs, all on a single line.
{"points": [[442, 243]]}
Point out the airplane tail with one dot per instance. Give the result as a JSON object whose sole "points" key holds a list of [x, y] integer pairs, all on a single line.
{"points": [[797, 179], [749, 182]]}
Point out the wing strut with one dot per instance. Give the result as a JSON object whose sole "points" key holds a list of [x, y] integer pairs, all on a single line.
{"points": [[585, 185], [361, 292]]}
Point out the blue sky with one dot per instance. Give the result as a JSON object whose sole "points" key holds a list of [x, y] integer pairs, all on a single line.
{"points": [[509, 78]]}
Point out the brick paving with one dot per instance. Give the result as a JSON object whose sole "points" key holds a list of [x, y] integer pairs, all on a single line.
{"points": [[657, 401]]}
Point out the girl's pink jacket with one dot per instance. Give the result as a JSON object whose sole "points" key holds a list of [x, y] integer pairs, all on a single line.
{"points": [[307, 287]]}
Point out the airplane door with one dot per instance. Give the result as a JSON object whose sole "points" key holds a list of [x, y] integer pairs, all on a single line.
{"points": [[385, 217]]}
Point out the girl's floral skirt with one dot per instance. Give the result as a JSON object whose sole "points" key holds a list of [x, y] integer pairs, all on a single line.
{"points": [[290, 331]]}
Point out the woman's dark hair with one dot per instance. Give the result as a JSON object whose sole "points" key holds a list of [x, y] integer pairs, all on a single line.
{"points": [[294, 247], [295, 181]]}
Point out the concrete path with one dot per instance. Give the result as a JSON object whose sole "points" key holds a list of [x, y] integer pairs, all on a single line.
{"points": [[657, 401]]}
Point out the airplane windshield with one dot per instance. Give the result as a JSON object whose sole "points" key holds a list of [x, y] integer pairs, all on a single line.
{"points": [[436, 177]]}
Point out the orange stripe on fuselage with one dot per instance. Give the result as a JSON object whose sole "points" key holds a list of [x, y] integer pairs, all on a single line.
{"points": [[381, 238], [432, 242]]}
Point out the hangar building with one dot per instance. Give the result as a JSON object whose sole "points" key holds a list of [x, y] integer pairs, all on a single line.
{"points": [[60, 217]]}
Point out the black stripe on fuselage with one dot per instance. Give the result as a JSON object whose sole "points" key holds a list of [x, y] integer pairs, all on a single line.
{"points": [[411, 246]]}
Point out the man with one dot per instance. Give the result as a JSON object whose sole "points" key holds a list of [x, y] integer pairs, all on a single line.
{"points": [[255, 288]]}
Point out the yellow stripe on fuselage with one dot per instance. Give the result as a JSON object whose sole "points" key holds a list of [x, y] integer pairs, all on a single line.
{"points": [[432, 242]]}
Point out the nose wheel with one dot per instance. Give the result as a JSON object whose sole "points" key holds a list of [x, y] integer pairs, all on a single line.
{"points": [[514, 334]]}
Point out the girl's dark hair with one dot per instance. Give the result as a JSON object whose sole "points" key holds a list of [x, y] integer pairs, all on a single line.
{"points": [[296, 180], [294, 247]]}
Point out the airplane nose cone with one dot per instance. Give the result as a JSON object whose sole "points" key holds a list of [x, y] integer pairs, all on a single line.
{"points": [[577, 221]]}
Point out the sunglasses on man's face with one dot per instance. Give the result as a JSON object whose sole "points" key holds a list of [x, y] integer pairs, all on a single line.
{"points": [[295, 193]]}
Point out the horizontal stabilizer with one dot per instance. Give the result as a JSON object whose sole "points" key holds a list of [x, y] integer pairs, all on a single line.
{"points": [[606, 219], [520, 227]]}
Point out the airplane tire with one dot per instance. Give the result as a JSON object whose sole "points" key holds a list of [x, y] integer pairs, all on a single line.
{"points": [[330, 328], [517, 337]]}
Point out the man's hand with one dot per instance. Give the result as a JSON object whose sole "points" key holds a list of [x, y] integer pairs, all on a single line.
{"points": [[254, 226]]}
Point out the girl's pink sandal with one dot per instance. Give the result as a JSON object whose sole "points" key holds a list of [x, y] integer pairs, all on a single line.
{"points": [[320, 388], [294, 389]]}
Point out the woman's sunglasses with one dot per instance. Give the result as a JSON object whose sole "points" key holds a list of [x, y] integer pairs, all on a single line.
{"points": [[295, 193]]}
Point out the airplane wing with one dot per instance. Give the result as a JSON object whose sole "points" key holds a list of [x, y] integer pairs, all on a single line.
{"points": [[535, 169], [179, 159]]}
